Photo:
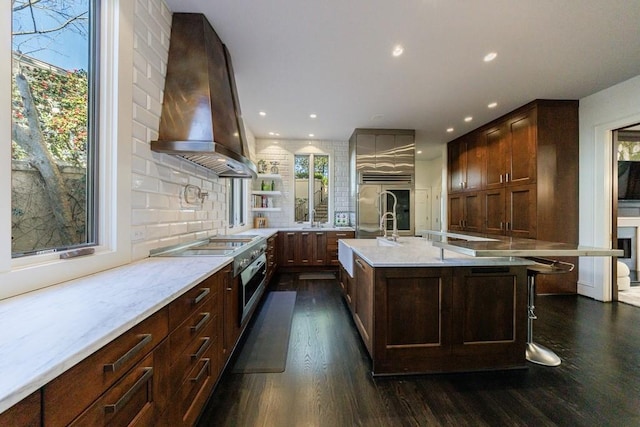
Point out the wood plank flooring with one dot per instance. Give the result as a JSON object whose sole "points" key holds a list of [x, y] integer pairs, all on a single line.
{"points": [[327, 381]]}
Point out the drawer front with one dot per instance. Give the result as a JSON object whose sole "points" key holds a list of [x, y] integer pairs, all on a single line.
{"points": [[72, 392], [196, 349], [193, 327], [194, 392], [192, 301], [130, 402]]}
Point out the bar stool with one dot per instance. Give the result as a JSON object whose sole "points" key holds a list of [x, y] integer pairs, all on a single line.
{"points": [[537, 353]]}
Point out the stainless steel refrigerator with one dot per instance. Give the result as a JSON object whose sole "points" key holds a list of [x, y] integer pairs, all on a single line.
{"points": [[370, 206]]}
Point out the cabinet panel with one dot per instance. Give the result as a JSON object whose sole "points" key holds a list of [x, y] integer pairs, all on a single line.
{"points": [[490, 305], [319, 244], [385, 153], [26, 413], [475, 155], [494, 208], [363, 305], [365, 152], [303, 248], [466, 212], [494, 153], [521, 158], [456, 164], [287, 247], [521, 211], [332, 245]]}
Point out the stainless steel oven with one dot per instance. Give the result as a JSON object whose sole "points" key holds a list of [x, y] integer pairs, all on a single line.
{"points": [[252, 283]]}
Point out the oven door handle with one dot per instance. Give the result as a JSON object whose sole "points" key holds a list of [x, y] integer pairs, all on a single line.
{"points": [[257, 267]]}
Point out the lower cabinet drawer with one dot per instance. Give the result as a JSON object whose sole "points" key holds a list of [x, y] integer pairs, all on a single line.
{"points": [[129, 402], [71, 393], [193, 393]]}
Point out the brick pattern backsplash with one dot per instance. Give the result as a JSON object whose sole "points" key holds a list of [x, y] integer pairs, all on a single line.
{"points": [[283, 151], [160, 216]]}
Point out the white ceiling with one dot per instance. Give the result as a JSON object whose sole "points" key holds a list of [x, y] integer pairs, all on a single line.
{"points": [[333, 58]]}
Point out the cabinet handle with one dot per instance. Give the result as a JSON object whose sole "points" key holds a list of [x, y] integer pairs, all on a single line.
{"points": [[304, 234], [500, 178], [506, 177], [501, 225], [290, 234], [461, 184], [509, 226], [202, 372], [360, 264], [113, 367], [112, 409], [201, 323], [319, 234], [202, 349], [341, 234], [201, 295]]}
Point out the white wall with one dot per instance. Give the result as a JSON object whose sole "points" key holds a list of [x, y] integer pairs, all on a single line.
{"points": [[600, 113]]}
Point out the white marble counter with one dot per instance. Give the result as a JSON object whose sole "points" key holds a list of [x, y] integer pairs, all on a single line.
{"points": [[319, 229], [44, 333], [418, 252]]}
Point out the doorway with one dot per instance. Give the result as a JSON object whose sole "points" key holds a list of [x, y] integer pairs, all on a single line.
{"points": [[626, 214]]}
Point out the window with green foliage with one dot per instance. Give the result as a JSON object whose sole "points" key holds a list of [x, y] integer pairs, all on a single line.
{"points": [[311, 195], [54, 86]]}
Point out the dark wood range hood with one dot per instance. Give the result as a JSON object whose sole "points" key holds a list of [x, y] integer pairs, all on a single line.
{"points": [[201, 119]]}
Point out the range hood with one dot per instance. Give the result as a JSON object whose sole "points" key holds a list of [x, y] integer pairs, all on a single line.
{"points": [[201, 119]]}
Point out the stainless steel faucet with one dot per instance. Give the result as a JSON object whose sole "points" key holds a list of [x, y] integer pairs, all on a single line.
{"points": [[394, 233], [312, 218]]}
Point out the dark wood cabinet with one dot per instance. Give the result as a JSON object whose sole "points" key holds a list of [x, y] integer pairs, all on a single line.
{"points": [[511, 211], [26, 413], [332, 245], [441, 319], [511, 151], [272, 256], [465, 161], [466, 212], [489, 305], [310, 247], [158, 373], [362, 301], [287, 248], [529, 178]]}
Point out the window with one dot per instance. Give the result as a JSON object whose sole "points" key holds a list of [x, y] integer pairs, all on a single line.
{"points": [[237, 194], [311, 194], [54, 125]]}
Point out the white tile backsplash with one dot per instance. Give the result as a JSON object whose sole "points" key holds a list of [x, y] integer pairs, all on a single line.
{"points": [[159, 214]]}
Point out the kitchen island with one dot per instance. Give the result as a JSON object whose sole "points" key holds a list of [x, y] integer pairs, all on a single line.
{"points": [[419, 313], [455, 304]]}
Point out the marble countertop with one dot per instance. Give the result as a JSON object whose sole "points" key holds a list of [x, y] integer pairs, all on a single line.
{"points": [[418, 252], [45, 332]]}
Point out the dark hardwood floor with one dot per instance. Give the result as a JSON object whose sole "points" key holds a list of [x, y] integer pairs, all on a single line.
{"points": [[327, 380]]}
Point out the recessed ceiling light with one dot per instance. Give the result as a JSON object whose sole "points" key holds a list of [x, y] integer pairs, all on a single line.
{"points": [[313, 115], [419, 151], [493, 105], [262, 113], [468, 119], [311, 135], [277, 134], [271, 133], [490, 56], [449, 130], [397, 50]]}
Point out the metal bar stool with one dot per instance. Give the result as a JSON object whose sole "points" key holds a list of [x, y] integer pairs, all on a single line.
{"points": [[537, 353]]}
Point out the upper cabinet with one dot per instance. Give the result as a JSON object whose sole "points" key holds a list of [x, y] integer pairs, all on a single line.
{"points": [[465, 163], [525, 166], [511, 148]]}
